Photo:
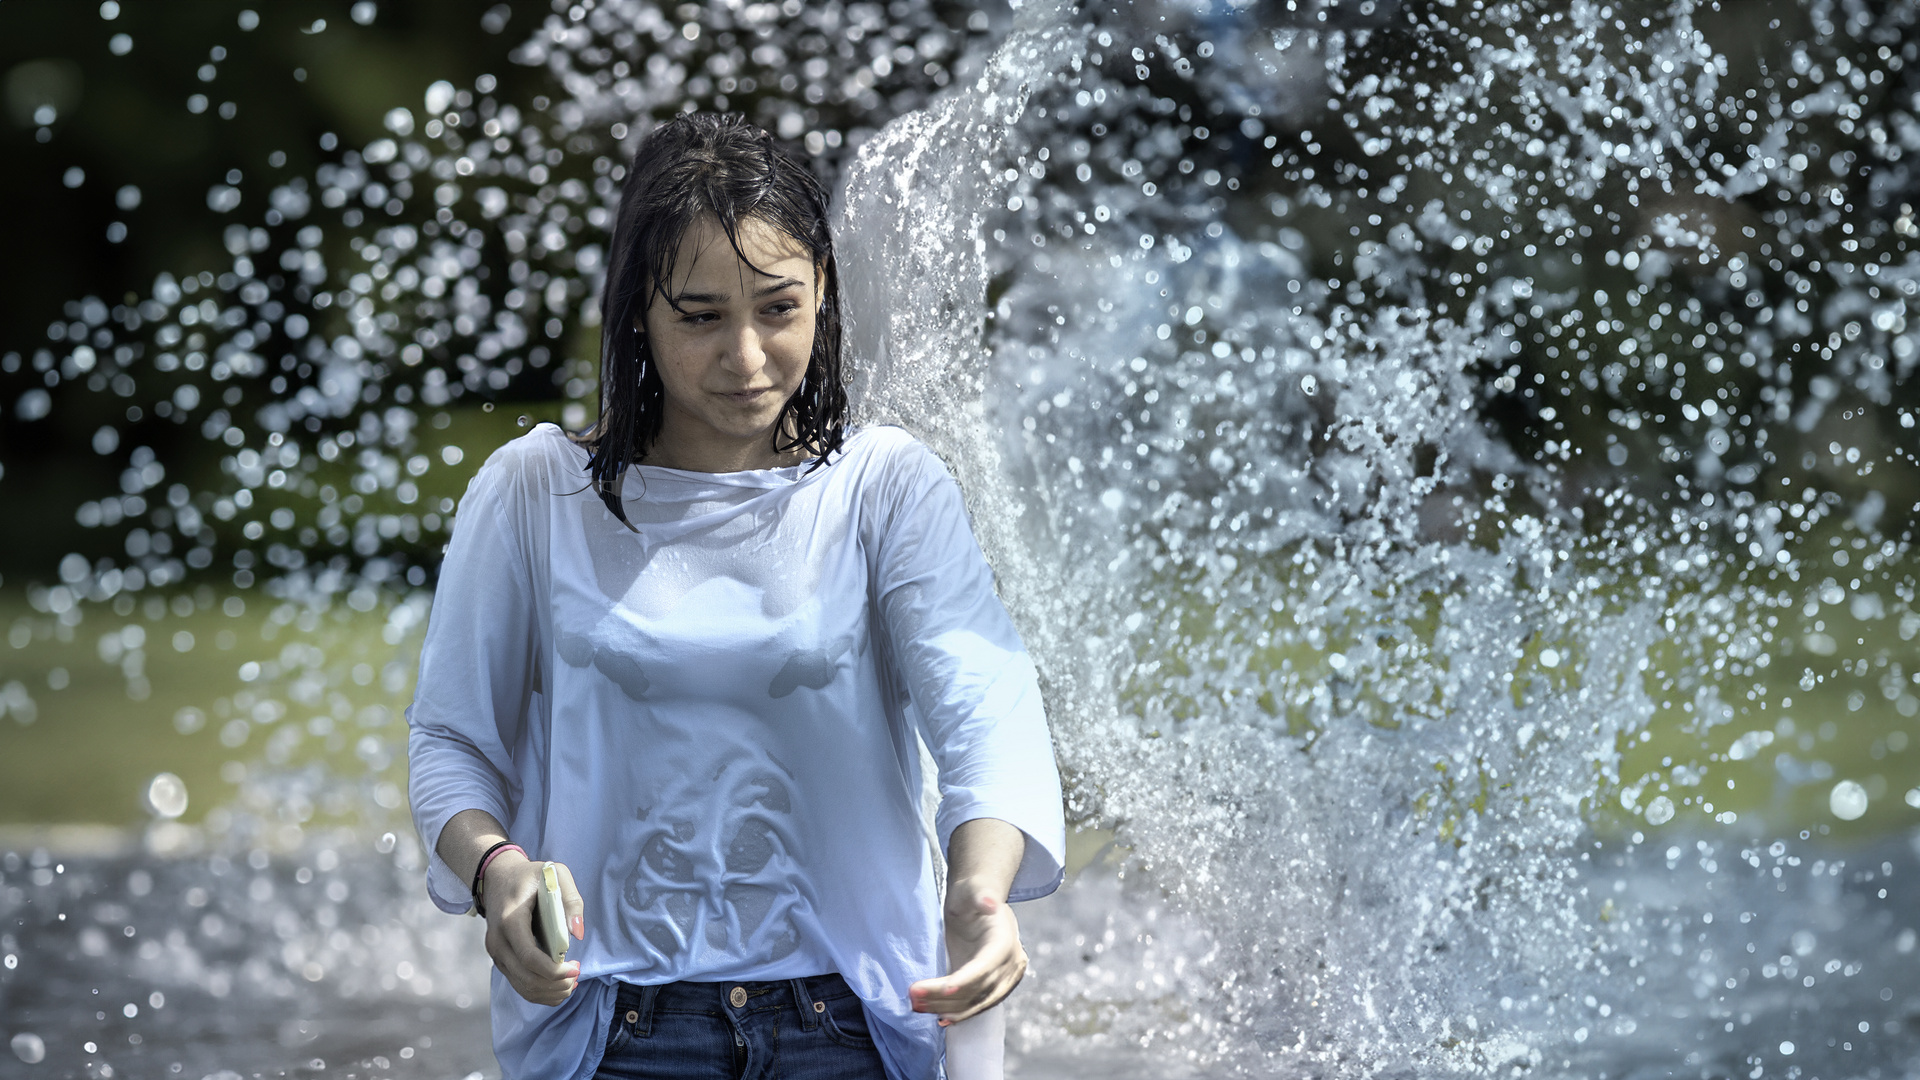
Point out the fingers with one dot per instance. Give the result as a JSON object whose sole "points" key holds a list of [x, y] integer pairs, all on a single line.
{"points": [[990, 963], [528, 969], [983, 942], [514, 971], [972, 989], [576, 908], [510, 941]]}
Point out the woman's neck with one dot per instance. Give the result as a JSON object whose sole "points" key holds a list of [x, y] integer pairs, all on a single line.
{"points": [[678, 450]]}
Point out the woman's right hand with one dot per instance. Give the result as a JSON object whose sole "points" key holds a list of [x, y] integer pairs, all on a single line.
{"points": [[509, 892]]}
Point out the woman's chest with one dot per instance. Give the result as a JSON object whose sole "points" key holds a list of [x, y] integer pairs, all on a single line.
{"points": [[765, 604]]}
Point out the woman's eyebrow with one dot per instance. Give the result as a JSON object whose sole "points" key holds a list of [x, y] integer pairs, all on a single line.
{"points": [[698, 298], [721, 298], [783, 283]]}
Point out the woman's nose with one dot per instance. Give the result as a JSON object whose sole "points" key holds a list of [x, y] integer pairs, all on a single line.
{"points": [[744, 354]]}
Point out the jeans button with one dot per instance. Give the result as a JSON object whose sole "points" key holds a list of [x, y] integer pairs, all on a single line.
{"points": [[633, 1016], [738, 997], [819, 1006]]}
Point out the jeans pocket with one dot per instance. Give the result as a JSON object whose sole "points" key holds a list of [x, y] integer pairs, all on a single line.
{"points": [[845, 1021]]}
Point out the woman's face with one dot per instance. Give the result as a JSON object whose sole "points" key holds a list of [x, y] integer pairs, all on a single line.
{"points": [[733, 347]]}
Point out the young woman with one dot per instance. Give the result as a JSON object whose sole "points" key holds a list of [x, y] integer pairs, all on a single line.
{"points": [[687, 658]]}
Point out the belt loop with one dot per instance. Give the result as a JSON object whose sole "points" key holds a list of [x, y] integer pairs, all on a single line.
{"points": [[809, 1019], [644, 1026]]}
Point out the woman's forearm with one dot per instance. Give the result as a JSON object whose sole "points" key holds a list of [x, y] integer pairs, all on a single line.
{"points": [[466, 838], [982, 857]]}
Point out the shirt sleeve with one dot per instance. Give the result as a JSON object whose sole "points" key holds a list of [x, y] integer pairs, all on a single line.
{"points": [[972, 683], [478, 667]]}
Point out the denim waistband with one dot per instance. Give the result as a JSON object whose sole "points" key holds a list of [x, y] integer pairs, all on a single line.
{"points": [[636, 1005]]}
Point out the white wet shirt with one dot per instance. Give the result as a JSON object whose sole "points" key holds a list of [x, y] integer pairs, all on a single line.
{"points": [[712, 721]]}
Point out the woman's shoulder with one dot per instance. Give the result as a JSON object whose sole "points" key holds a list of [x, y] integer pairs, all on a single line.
{"points": [[894, 467], [533, 462], [889, 447]]}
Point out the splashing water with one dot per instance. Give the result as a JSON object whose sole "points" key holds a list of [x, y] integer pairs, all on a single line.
{"points": [[1452, 464]]}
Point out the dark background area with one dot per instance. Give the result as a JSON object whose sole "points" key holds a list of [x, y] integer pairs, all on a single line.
{"points": [[129, 122], [310, 74]]}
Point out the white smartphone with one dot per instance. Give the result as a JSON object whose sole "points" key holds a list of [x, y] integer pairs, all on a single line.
{"points": [[550, 915]]}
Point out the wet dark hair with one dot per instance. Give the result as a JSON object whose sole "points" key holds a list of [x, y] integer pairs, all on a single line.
{"points": [[694, 165]]}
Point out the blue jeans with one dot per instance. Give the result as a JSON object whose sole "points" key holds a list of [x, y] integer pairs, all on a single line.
{"points": [[799, 1029]]}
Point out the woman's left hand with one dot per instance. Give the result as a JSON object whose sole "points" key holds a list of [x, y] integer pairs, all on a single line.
{"points": [[984, 958]]}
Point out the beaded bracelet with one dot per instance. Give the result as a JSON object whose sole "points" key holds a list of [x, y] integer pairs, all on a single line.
{"points": [[480, 874]]}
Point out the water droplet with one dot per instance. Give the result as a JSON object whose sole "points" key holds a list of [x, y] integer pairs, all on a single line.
{"points": [[1848, 800], [166, 796], [1309, 385], [1660, 810], [29, 1048], [387, 841]]}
